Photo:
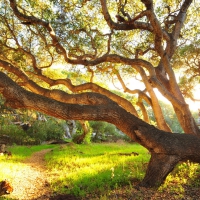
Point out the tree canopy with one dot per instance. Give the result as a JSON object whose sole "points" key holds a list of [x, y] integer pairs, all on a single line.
{"points": [[99, 42]]}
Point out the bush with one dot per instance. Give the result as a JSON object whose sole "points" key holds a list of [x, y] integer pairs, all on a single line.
{"points": [[106, 132], [46, 130], [38, 132], [15, 133]]}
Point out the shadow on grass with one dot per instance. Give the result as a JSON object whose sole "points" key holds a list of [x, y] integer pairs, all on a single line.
{"points": [[102, 182], [183, 184], [94, 170]]}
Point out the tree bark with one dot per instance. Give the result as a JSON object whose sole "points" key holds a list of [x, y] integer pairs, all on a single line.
{"points": [[167, 149], [159, 167]]}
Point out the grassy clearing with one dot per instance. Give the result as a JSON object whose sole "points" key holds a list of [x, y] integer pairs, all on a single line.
{"points": [[83, 170], [101, 171]]}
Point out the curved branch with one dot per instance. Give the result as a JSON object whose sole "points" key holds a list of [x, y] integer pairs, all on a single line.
{"points": [[129, 25], [171, 47], [17, 97], [180, 18], [155, 104], [166, 93], [93, 87], [35, 21], [86, 98], [89, 99], [144, 112], [140, 93]]}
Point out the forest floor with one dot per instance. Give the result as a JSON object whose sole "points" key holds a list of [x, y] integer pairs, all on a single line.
{"points": [[32, 183]]}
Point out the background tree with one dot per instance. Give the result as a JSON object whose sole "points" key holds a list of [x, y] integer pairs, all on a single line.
{"points": [[187, 62], [119, 39]]}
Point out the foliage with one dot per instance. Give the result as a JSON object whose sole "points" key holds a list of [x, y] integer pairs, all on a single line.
{"points": [[170, 117], [83, 133], [106, 132], [16, 134], [186, 62], [38, 131], [46, 130]]}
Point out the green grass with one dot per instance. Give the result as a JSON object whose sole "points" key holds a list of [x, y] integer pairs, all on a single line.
{"points": [[99, 170], [22, 152], [83, 170]]}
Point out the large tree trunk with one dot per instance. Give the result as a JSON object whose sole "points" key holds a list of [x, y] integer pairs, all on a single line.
{"points": [[166, 149], [159, 167]]}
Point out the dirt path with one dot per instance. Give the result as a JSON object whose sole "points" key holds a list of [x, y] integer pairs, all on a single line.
{"points": [[30, 181]]}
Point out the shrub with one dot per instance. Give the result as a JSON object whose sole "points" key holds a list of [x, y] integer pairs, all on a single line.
{"points": [[46, 130], [15, 133], [106, 132]]}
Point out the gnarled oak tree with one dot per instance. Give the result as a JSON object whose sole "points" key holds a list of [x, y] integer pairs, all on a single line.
{"points": [[100, 37]]}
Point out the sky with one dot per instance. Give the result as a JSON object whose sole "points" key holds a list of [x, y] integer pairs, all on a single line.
{"points": [[194, 105]]}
